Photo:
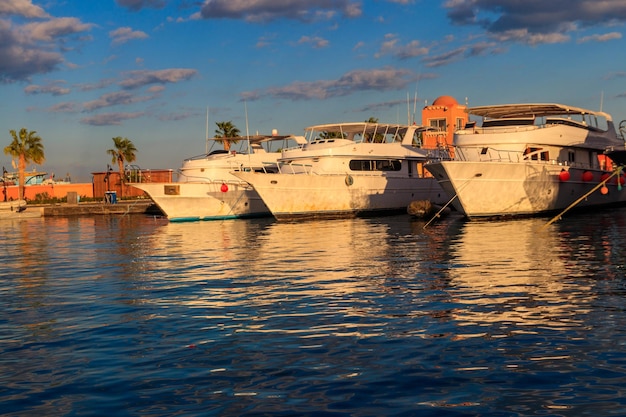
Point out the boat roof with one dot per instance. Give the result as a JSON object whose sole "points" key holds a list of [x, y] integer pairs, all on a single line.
{"points": [[509, 111], [358, 127], [261, 138]]}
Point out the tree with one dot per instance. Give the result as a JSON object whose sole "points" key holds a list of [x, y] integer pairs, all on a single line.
{"points": [[26, 147], [226, 130], [124, 152], [332, 135], [378, 137]]}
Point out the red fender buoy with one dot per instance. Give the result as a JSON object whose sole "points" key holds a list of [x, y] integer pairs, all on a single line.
{"points": [[224, 188], [587, 176], [564, 175]]}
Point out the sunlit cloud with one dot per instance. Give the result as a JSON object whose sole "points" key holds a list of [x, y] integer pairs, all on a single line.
{"points": [[268, 10], [384, 79], [110, 119], [125, 34]]}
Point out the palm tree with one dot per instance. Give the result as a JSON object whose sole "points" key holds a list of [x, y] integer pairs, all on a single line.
{"points": [[26, 147], [378, 137], [226, 130], [124, 152], [331, 135]]}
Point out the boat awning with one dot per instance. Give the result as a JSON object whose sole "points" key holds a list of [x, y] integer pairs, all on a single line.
{"points": [[507, 111], [258, 138], [364, 127]]}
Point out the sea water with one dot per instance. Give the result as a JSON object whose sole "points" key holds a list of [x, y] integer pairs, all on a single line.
{"points": [[135, 316]]}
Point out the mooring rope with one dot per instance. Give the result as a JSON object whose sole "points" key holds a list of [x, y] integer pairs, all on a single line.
{"points": [[451, 200], [600, 185]]}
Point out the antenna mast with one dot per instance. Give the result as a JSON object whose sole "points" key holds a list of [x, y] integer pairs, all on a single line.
{"points": [[408, 108], [206, 139], [245, 106], [601, 99]]}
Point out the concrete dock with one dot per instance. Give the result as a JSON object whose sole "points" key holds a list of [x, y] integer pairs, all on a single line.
{"points": [[98, 208]]}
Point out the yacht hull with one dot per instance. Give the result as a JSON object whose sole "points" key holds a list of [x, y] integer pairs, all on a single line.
{"points": [[205, 201], [505, 189], [290, 196]]}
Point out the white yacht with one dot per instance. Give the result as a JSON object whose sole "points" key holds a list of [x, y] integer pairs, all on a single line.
{"points": [[530, 159], [206, 188], [350, 169]]}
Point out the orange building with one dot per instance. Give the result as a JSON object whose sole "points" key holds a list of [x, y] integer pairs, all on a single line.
{"points": [[447, 116], [46, 191], [103, 183]]}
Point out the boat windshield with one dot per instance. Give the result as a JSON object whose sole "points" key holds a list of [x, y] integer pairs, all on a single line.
{"points": [[357, 132]]}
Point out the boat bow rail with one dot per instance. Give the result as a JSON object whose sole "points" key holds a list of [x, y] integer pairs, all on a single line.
{"points": [[204, 180], [489, 154]]}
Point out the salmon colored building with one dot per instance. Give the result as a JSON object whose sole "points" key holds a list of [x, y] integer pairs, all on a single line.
{"points": [[46, 191], [109, 181], [447, 116], [102, 183]]}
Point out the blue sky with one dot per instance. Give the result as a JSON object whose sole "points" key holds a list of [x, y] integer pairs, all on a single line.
{"points": [[82, 72]]}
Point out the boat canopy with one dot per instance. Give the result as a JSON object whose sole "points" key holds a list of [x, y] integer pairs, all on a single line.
{"points": [[365, 127], [507, 111], [253, 139], [365, 132]]}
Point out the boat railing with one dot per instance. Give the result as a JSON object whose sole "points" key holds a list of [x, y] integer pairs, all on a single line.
{"points": [[477, 130], [486, 154], [265, 167], [218, 181], [238, 183], [292, 168], [438, 154]]}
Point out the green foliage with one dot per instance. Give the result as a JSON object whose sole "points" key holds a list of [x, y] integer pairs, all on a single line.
{"points": [[26, 147], [45, 198], [123, 152], [226, 130]]}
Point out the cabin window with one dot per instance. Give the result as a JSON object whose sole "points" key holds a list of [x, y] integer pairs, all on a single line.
{"points": [[418, 139], [571, 156], [376, 165], [484, 151], [459, 123], [421, 172], [536, 154]]}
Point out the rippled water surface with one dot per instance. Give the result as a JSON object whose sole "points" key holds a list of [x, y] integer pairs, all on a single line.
{"points": [[134, 316]]}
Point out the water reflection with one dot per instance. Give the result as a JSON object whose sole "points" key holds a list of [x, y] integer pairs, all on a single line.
{"points": [[143, 316], [516, 272], [517, 276], [261, 276]]}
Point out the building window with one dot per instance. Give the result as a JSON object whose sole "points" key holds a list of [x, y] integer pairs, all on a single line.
{"points": [[439, 124]]}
